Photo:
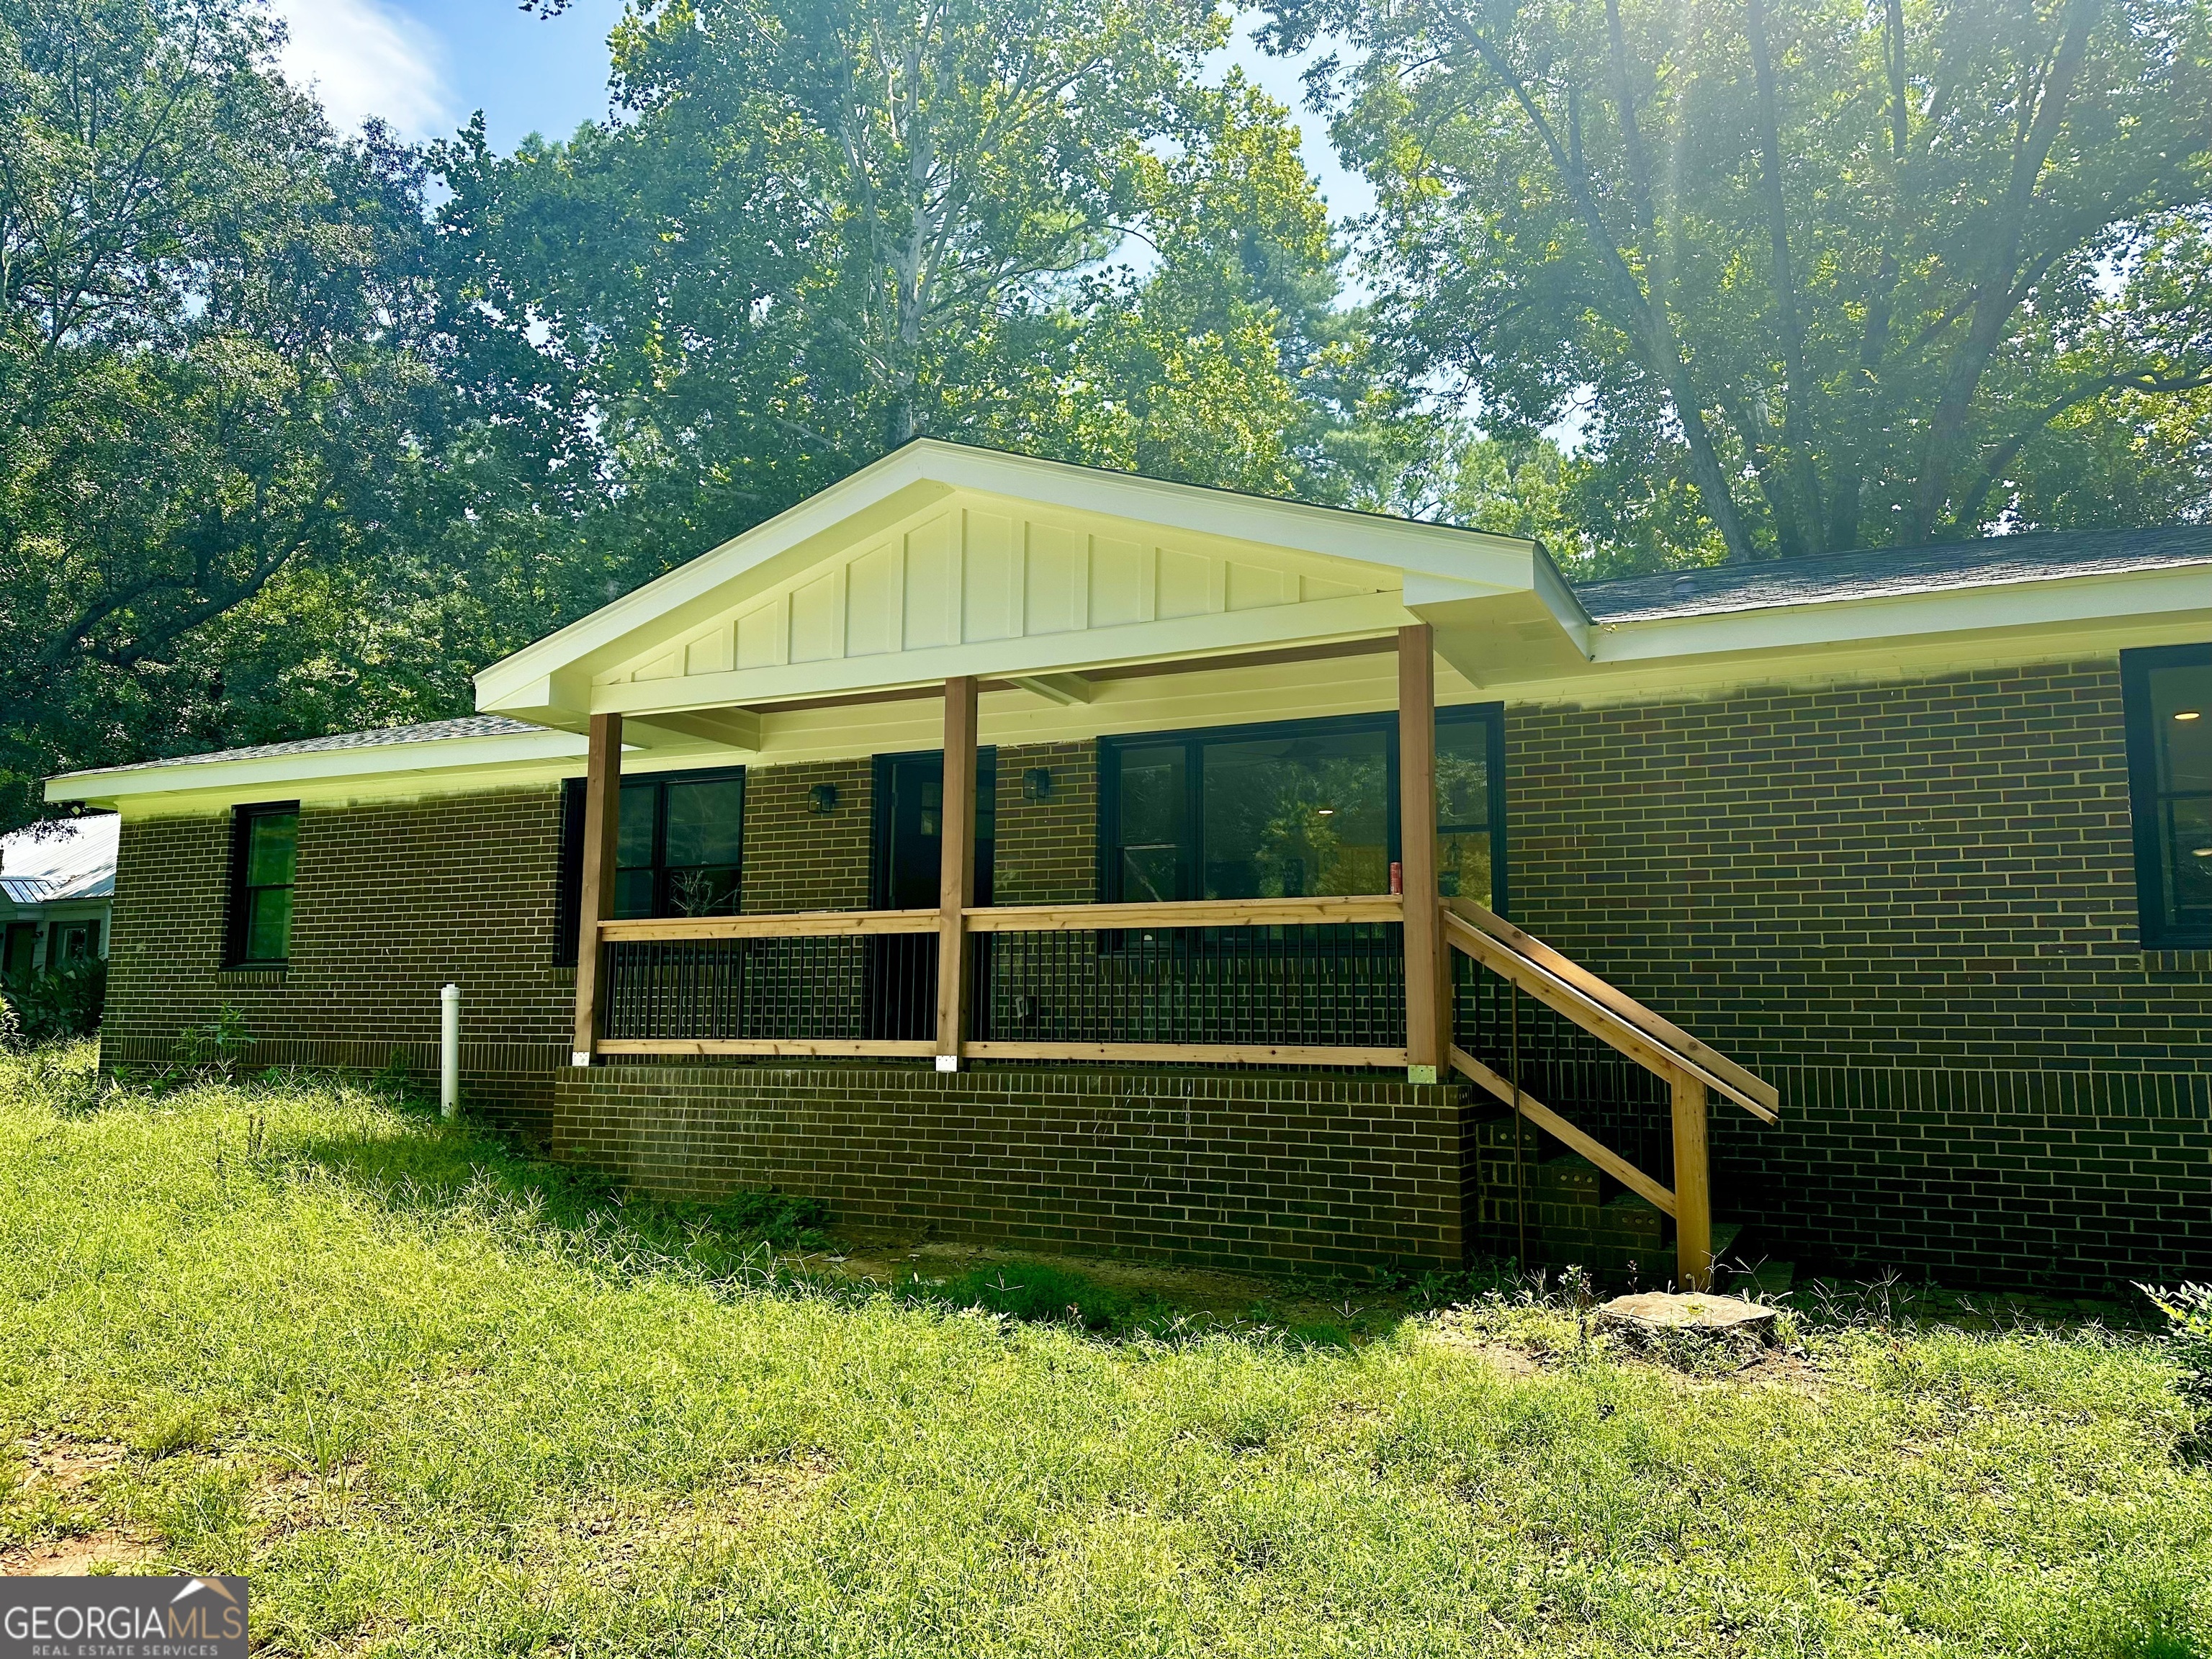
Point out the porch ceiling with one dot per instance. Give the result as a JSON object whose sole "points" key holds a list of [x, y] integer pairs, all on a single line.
{"points": [[941, 560]]}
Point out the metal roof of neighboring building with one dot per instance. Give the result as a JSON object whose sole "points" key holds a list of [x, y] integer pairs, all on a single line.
{"points": [[1881, 572], [73, 858]]}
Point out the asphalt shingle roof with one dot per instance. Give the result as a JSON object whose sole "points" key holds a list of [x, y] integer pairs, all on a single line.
{"points": [[1883, 571], [469, 725]]}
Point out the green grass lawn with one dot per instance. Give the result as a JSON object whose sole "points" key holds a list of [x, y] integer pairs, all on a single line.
{"points": [[434, 1398]]}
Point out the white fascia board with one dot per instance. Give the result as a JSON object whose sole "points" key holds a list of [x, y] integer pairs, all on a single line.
{"points": [[275, 774], [1182, 638], [2150, 595], [545, 675], [1400, 544], [555, 671]]}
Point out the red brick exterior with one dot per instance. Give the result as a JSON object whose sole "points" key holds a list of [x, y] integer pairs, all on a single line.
{"points": [[1214, 1169], [392, 902], [1910, 905]]}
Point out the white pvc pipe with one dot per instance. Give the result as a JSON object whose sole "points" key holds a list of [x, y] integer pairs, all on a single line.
{"points": [[449, 1052]]}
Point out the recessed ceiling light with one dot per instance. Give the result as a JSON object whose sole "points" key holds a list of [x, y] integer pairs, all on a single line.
{"points": [[2188, 714], [1326, 812]]}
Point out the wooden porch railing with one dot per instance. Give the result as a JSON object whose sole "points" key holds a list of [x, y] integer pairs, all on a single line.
{"points": [[1115, 968], [1340, 981], [1690, 1071]]}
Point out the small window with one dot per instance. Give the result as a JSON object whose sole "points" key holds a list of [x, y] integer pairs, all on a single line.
{"points": [[2167, 695], [264, 858], [74, 941], [677, 851]]}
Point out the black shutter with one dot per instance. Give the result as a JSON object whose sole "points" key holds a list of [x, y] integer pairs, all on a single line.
{"points": [[569, 897]]}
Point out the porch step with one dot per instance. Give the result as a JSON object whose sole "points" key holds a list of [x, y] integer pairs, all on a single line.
{"points": [[1577, 1214]]}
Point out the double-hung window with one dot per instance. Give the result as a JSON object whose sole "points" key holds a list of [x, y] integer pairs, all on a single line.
{"points": [[1293, 810], [2167, 695], [263, 864]]}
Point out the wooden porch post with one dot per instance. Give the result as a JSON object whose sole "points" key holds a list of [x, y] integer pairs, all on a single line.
{"points": [[956, 888], [1693, 1204], [1428, 1028], [596, 902]]}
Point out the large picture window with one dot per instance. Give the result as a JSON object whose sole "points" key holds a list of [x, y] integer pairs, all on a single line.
{"points": [[678, 850], [2167, 695], [1294, 809], [264, 863]]}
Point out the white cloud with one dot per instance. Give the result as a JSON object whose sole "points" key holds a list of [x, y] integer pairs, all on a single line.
{"points": [[367, 58]]}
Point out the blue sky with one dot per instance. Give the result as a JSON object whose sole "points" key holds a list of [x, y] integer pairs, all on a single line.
{"points": [[425, 67]]}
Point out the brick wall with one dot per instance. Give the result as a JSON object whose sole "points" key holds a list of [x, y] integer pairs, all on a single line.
{"points": [[392, 902], [797, 859], [1048, 850], [1218, 1169], [1909, 905], [1913, 906]]}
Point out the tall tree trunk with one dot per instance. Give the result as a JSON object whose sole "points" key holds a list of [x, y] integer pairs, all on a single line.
{"points": [[1800, 465], [1995, 299]]}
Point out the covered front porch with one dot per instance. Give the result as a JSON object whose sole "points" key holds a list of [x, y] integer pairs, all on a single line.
{"points": [[1341, 924]]}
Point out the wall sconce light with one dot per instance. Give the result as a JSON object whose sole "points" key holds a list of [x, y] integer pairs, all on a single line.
{"points": [[821, 799], [1036, 784]]}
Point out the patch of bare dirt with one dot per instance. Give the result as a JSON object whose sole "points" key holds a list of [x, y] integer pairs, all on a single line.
{"points": [[889, 1257], [77, 1558], [58, 1465], [1502, 1358]]}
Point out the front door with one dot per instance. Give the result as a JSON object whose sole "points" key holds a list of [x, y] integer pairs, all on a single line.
{"points": [[909, 861]]}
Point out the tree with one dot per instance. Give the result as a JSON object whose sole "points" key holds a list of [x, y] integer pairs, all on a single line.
{"points": [[1853, 274], [830, 225], [214, 331]]}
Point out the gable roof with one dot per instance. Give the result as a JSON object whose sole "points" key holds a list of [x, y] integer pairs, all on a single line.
{"points": [[944, 559], [1886, 571]]}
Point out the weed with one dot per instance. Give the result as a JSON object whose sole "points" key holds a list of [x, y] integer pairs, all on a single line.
{"points": [[2187, 1310], [211, 1052]]}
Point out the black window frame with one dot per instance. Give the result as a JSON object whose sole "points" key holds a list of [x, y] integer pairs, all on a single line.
{"points": [[242, 819], [1191, 847], [568, 900], [2146, 801]]}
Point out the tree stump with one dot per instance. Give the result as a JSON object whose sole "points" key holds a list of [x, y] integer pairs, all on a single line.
{"points": [[1662, 1313]]}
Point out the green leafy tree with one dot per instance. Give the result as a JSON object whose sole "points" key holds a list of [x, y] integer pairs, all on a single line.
{"points": [[826, 226], [1850, 274], [214, 373]]}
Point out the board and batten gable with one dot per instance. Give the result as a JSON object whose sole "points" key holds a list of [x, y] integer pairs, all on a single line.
{"points": [[963, 575]]}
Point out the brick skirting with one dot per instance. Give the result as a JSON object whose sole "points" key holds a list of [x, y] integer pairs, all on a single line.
{"points": [[1222, 1169]]}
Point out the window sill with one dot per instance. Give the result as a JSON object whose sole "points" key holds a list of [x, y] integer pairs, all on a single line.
{"points": [[2194, 964], [253, 973]]}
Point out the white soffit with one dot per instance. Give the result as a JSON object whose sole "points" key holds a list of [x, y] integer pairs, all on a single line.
{"points": [[941, 560]]}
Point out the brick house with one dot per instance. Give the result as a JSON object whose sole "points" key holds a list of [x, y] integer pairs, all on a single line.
{"points": [[1084, 861]]}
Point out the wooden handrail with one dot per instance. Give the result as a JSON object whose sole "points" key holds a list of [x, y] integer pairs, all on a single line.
{"points": [[804, 924], [1619, 1003], [1648, 1050], [1559, 1129], [1319, 911]]}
